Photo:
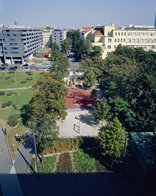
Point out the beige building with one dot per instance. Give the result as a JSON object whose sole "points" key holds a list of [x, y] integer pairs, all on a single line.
{"points": [[47, 33], [109, 37]]}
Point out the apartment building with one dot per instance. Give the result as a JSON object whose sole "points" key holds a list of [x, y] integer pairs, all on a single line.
{"points": [[109, 37], [18, 44], [58, 35], [47, 36], [85, 31]]}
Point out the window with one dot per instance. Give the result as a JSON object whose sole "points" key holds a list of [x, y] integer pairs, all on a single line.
{"points": [[124, 40], [108, 53], [125, 33], [122, 33], [109, 46], [115, 40], [115, 33], [109, 40], [119, 33]]}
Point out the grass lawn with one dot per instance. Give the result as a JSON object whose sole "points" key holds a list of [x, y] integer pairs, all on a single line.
{"points": [[17, 79], [49, 164], [19, 98], [85, 162]]}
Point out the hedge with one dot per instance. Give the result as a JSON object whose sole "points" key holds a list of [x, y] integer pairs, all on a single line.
{"points": [[7, 104], [2, 93]]}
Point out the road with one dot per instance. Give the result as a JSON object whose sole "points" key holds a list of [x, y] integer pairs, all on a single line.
{"points": [[74, 65]]}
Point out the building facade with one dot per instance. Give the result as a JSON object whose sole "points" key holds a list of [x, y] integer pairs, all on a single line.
{"points": [[47, 36], [18, 44], [58, 35], [109, 37]]}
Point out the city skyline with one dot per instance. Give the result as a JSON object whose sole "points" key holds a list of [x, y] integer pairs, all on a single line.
{"points": [[75, 14]]}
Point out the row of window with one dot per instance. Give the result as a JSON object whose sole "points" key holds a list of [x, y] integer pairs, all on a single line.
{"points": [[136, 33], [142, 40], [142, 33], [120, 33], [120, 40]]}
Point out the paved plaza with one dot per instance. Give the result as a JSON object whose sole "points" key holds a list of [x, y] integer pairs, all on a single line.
{"points": [[79, 122]]}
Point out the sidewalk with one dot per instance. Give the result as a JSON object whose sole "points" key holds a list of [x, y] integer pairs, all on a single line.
{"points": [[9, 183], [24, 157], [5, 159]]}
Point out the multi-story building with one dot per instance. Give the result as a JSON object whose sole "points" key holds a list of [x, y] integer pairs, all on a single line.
{"points": [[109, 37], [58, 35], [47, 36], [85, 31], [18, 44]]}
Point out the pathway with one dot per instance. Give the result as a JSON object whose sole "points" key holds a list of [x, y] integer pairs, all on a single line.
{"points": [[23, 160], [20, 88], [5, 159], [9, 183]]}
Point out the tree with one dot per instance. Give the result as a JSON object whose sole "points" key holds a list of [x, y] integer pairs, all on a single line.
{"points": [[95, 53], [48, 99], [122, 110], [59, 68], [94, 94], [65, 46], [89, 79], [44, 132], [102, 110], [55, 51], [111, 139]]}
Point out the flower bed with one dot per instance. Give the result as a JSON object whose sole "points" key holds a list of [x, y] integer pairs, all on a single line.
{"points": [[64, 164]]}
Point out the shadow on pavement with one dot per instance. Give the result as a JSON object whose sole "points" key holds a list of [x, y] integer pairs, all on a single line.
{"points": [[95, 184]]}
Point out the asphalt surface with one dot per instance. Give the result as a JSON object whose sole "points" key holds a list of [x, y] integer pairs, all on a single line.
{"points": [[23, 160], [74, 65], [5, 159]]}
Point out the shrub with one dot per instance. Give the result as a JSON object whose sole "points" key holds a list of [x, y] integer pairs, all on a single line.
{"points": [[8, 77], [12, 120], [29, 79], [69, 144], [10, 93], [7, 104], [2, 93], [29, 73], [84, 162], [64, 164], [22, 82]]}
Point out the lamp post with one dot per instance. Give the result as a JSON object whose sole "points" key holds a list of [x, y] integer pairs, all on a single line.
{"points": [[36, 154]]}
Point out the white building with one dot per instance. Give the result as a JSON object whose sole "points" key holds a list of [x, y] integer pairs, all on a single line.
{"points": [[58, 35]]}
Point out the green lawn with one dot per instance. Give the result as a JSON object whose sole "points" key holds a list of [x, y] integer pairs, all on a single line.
{"points": [[19, 98], [49, 164], [17, 79]]}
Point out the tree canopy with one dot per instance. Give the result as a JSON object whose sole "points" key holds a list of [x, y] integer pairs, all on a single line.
{"points": [[111, 139]]}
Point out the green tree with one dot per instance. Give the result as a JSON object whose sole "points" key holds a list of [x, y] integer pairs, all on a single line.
{"points": [[48, 99], [95, 53], [89, 79], [59, 68], [55, 51], [65, 46], [44, 132], [111, 139], [102, 110], [122, 110]]}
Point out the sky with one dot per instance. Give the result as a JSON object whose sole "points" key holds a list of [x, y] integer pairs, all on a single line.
{"points": [[77, 13]]}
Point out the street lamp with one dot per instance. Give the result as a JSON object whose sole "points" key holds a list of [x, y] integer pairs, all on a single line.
{"points": [[36, 154]]}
